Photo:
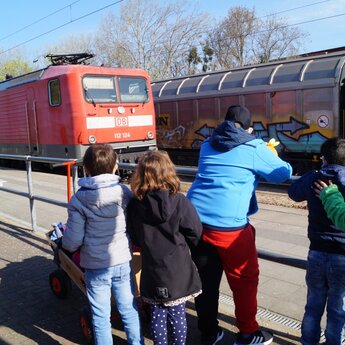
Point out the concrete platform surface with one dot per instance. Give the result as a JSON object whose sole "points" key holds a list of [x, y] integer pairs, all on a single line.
{"points": [[31, 314]]}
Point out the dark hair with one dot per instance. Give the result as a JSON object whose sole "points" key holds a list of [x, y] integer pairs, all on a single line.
{"points": [[240, 115], [155, 171], [333, 151], [99, 159]]}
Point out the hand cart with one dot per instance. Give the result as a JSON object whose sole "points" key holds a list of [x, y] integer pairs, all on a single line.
{"points": [[61, 279]]}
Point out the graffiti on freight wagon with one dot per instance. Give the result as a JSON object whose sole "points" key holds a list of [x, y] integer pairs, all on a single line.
{"points": [[292, 134], [280, 131]]}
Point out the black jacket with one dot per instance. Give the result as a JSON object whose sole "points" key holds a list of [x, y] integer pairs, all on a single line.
{"points": [[164, 225], [322, 233]]}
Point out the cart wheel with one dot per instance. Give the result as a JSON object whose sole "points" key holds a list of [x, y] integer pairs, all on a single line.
{"points": [[60, 283], [86, 326]]}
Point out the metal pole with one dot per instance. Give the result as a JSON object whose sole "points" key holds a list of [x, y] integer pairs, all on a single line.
{"points": [[69, 191], [75, 177], [31, 195]]}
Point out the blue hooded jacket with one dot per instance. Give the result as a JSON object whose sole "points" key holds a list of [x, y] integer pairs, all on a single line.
{"points": [[322, 233], [231, 164]]}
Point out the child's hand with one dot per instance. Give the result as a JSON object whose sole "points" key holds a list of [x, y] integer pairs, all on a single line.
{"points": [[319, 185], [272, 144]]}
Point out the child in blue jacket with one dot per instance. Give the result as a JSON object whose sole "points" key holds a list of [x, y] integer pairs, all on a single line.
{"points": [[325, 276], [96, 224]]}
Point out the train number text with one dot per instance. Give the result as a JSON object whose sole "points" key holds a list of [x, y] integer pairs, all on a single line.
{"points": [[124, 135]]}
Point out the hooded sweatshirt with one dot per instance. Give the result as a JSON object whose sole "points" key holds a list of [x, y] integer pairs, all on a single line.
{"points": [[231, 164], [96, 222], [334, 204], [323, 234], [164, 225]]}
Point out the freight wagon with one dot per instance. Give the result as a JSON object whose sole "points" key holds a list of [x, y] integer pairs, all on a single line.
{"points": [[299, 102]]}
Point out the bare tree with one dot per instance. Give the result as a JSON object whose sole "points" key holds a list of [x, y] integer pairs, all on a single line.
{"points": [[147, 35], [232, 37], [242, 38], [76, 43], [276, 39], [200, 60], [193, 60], [173, 39]]}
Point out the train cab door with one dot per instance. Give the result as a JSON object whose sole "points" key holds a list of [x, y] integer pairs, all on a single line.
{"points": [[32, 125]]}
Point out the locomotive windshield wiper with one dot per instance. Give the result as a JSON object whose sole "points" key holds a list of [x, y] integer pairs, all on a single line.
{"points": [[88, 96], [146, 93]]}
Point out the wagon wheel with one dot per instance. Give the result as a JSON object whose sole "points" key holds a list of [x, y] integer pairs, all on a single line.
{"points": [[86, 326], [60, 283]]}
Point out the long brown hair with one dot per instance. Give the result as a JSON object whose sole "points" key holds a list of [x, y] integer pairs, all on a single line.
{"points": [[155, 171]]}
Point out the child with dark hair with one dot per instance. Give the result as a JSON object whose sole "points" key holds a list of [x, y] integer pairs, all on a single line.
{"points": [[325, 276], [164, 224], [97, 226]]}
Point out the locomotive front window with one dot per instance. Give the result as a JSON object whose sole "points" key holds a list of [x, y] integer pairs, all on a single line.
{"points": [[99, 89], [54, 92], [133, 90]]}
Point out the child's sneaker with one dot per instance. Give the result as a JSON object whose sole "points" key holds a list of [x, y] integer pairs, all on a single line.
{"points": [[213, 340], [256, 338]]}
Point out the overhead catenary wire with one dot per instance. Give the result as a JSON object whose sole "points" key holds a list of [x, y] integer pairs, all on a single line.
{"points": [[294, 8], [119, 1], [289, 25], [296, 24], [38, 21], [62, 25]]}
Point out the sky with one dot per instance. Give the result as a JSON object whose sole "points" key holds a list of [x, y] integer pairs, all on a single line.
{"points": [[31, 26]]}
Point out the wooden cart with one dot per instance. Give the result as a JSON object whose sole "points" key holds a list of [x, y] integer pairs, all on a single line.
{"points": [[68, 271]]}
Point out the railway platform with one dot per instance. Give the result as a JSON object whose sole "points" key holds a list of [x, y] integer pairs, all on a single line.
{"points": [[31, 314]]}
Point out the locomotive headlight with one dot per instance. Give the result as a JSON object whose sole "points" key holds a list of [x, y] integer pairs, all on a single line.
{"points": [[150, 135], [92, 139]]}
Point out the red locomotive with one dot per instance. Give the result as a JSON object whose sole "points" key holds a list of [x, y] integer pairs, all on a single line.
{"points": [[60, 110]]}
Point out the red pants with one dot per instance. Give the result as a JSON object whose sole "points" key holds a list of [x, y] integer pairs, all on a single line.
{"points": [[238, 255]]}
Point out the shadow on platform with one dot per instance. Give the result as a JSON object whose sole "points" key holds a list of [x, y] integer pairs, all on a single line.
{"points": [[31, 314]]}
